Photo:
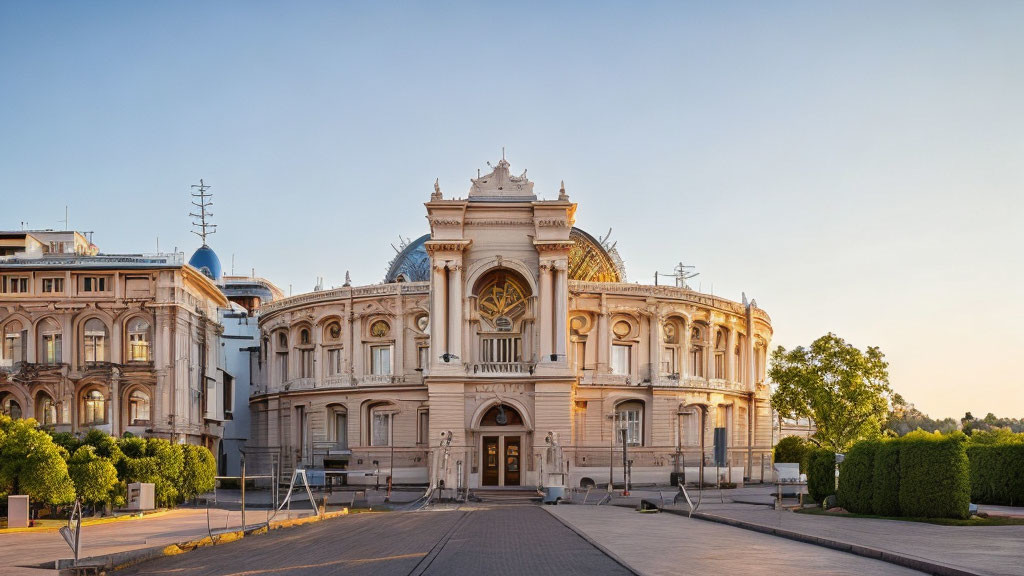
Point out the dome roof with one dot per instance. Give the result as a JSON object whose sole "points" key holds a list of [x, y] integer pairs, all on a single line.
{"points": [[206, 260], [412, 264], [590, 259]]}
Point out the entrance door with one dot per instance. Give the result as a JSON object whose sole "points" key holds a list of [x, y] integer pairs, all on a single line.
{"points": [[491, 461], [512, 460]]}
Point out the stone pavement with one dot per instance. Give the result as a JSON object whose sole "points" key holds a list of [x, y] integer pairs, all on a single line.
{"points": [[667, 544], [989, 550], [500, 540], [22, 553]]}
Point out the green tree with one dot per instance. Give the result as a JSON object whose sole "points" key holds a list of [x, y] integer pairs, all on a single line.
{"points": [[31, 463], [95, 477], [793, 449], [197, 472], [844, 390]]}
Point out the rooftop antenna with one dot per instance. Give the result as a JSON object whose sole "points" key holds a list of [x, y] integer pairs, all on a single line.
{"points": [[232, 264], [204, 202], [682, 273], [65, 220]]}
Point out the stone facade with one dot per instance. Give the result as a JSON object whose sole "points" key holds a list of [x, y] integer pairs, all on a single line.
{"points": [[121, 343], [523, 327]]}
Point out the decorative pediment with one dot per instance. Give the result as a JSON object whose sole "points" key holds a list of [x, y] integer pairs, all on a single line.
{"points": [[500, 184]]}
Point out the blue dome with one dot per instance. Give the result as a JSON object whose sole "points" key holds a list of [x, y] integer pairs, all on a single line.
{"points": [[412, 264], [206, 260]]}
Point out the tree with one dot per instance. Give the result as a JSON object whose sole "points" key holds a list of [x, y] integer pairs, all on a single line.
{"points": [[844, 390], [197, 472], [30, 463], [95, 477], [794, 450]]}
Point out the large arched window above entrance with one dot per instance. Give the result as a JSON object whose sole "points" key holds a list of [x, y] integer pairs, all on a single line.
{"points": [[501, 415], [502, 300], [139, 338], [50, 342], [13, 350], [94, 341]]}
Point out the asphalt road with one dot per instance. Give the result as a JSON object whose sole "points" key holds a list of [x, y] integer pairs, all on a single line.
{"points": [[499, 540]]}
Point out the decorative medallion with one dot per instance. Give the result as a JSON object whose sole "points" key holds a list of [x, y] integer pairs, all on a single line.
{"points": [[379, 329]]}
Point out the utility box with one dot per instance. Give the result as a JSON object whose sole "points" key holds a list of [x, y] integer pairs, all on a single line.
{"points": [[17, 511], [141, 496]]}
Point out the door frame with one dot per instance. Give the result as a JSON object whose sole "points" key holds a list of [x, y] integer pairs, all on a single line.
{"points": [[482, 447]]}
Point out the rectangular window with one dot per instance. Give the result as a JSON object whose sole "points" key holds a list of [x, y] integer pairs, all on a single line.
{"points": [[668, 360], [697, 361], [229, 396], [95, 347], [581, 355], [94, 284], [719, 365], [51, 349], [423, 432], [631, 420], [53, 285], [380, 360], [689, 429], [423, 357], [13, 350], [17, 284], [381, 434], [300, 432], [307, 364], [621, 359], [282, 366], [341, 430], [138, 347], [334, 362]]}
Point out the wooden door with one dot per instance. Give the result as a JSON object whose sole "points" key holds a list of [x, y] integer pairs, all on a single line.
{"points": [[491, 460], [513, 460]]}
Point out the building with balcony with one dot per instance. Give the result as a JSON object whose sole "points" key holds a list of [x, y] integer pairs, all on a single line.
{"points": [[120, 343], [504, 324]]}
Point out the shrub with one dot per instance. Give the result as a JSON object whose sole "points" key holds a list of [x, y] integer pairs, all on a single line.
{"points": [[197, 471], [997, 473], [821, 474], [885, 481], [95, 477], [934, 476], [856, 481], [793, 449]]}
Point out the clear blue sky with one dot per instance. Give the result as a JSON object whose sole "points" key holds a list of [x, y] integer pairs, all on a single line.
{"points": [[855, 167]]}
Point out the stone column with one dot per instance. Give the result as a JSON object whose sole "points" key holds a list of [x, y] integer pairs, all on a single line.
{"points": [[400, 334], [655, 343], [730, 355], [709, 353], [684, 363], [115, 402], [603, 346], [545, 312], [561, 331], [455, 311], [438, 321]]}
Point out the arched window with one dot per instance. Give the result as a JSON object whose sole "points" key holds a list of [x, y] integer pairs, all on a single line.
{"points": [[281, 357], [305, 351], [46, 410], [689, 426], [501, 415], [338, 421], [95, 341], [629, 417], [502, 299], [10, 406], [622, 349], [380, 350], [138, 340], [381, 420], [698, 344], [94, 408], [721, 345], [671, 355], [13, 350], [50, 340], [138, 408], [304, 337]]}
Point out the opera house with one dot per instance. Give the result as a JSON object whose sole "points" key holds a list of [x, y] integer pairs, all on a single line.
{"points": [[510, 328]]}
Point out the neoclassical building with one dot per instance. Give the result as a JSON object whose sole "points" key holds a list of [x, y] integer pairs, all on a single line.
{"points": [[503, 325], [121, 343]]}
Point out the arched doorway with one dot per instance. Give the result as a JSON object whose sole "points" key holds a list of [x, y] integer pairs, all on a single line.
{"points": [[502, 432]]}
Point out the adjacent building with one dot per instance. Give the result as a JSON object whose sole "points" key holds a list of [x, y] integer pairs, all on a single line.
{"points": [[120, 343]]}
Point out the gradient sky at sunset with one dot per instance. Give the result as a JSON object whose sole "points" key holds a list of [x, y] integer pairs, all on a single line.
{"points": [[855, 167]]}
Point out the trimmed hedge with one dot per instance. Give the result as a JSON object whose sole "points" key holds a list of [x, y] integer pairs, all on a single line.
{"points": [[821, 474], [997, 473], [885, 480], [792, 450], [935, 479], [855, 483]]}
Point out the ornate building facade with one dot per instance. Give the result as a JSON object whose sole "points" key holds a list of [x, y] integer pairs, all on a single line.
{"points": [[504, 325], [120, 343]]}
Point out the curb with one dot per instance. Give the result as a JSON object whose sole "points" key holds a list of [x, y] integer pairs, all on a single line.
{"points": [[121, 560], [903, 560], [594, 543]]}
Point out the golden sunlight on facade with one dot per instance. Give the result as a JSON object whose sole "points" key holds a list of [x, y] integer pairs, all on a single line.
{"points": [[504, 324]]}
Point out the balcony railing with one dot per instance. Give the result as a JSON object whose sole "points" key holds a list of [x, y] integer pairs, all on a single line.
{"points": [[516, 368]]}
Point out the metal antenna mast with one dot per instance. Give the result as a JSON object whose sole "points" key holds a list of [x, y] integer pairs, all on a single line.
{"points": [[682, 273], [204, 202]]}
